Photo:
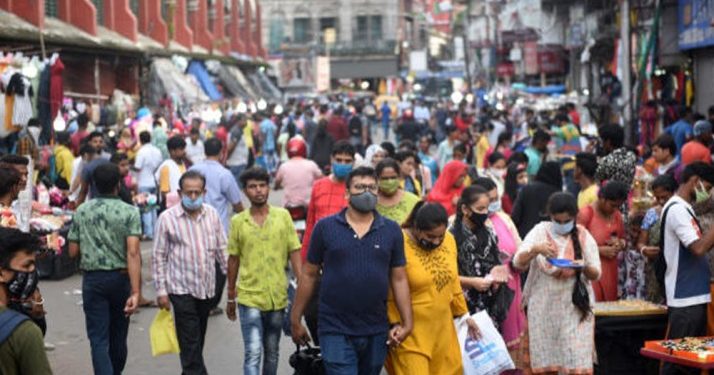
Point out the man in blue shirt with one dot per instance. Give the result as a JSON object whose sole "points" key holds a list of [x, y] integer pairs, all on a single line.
{"points": [[386, 118], [267, 132], [361, 255], [681, 130]]}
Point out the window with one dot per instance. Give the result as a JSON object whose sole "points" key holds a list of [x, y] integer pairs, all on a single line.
{"points": [[375, 28], [301, 30], [276, 34], [227, 19], [99, 5], [328, 23], [134, 5], [165, 12], [51, 8], [361, 31]]}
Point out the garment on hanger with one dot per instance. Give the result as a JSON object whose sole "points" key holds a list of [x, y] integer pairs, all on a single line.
{"points": [[43, 105], [21, 87], [56, 87]]}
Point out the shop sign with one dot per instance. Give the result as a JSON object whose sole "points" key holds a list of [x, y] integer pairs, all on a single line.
{"points": [[505, 69], [550, 60], [530, 58], [696, 24]]}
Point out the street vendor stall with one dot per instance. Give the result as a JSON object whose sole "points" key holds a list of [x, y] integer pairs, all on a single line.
{"points": [[52, 225], [695, 352], [621, 329]]}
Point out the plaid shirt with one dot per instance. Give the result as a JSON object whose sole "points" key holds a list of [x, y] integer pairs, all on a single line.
{"points": [[327, 198]]}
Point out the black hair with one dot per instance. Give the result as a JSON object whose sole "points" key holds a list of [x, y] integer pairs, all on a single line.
{"points": [[666, 182], [386, 163], [194, 130], [511, 182], [468, 197], [95, 134], [389, 147], [541, 136], [407, 144], [613, 133], [561, 118], [699, 169], [666, 142], [11, 159], [212, 146], [145, 137], [343, 147], [62, 138], [460, 148], [87, 149], [13, 241], [9, 178], [401, 156], [484, 182], [254, 173], [614, 191], [118, 157], [587, 163], [518, 158], [360, 172], [426, 216], [494, 157], [82, 120], [176, 143], [504, 136], [559, 203], [291, 129], [106, 177], [192, 175], [33, 122], [684, 111]]}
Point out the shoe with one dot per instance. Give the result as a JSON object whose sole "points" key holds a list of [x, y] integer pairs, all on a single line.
{"points": [[216, 311]]}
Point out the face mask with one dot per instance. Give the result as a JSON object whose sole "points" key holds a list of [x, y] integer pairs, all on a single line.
{"points": [[341, 170], [23, 284], [498, 172], [701, 193], [426, 245], [494, 207], [364, 202], [389, 186], [563, 229], [478, 219], [191, 204]]}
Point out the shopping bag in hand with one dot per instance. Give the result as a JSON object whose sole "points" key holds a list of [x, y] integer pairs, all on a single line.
{"points": [[487, 355], [163, 334]]}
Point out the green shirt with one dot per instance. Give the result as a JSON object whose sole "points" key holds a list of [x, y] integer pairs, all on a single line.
{"points": [[101, 227], [263, 253], [24, 351], [400, 211]]}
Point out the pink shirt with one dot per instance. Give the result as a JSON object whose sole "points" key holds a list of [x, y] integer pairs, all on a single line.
{"points": [[296, 176]]}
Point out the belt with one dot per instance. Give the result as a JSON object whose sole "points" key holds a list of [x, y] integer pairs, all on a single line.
{"points": [[119, 270]]}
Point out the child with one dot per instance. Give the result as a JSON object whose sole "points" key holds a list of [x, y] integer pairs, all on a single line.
{"points": [[632, 263]]}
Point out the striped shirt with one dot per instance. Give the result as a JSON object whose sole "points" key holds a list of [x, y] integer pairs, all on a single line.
{"points": [[185, 252]]}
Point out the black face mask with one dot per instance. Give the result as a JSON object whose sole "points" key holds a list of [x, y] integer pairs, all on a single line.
{"points": [[478, 220], [23, 285], [426, 245]]}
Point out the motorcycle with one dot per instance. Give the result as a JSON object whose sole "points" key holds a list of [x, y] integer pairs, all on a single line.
{"points": [[299, 216]]}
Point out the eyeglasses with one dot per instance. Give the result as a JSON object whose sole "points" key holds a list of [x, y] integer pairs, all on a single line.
{"points": [[362, 188]]}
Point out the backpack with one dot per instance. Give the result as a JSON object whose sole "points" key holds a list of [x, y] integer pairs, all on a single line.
{"points": [[355, 126], [660, 264], [9, 321]]}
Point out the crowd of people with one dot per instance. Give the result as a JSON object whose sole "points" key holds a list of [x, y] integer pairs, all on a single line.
{"points": [[459, 210]]}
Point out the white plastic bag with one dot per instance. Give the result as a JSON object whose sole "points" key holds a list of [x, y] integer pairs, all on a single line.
{"points": [[486, 356]]}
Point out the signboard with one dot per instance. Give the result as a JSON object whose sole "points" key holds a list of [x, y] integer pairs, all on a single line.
{"points": [[323, 74], [296, 72], [330, 36], [417, 61], [530, 57], [696, 21], [505, 69], [550, 60]]}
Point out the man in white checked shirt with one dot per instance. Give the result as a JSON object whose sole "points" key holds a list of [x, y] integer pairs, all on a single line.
{"points": [[188, 242]]}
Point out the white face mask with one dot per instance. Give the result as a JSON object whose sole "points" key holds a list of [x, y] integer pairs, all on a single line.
{"points": [[563, 229]]}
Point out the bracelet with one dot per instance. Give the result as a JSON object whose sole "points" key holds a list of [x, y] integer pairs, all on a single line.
{"points": [[231, 301], [40, 302]]}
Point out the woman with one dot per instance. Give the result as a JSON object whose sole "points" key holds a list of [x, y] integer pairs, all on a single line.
{"points": [[503, 146], [516, 179], [393, 202], [127, 144], [480, 261], [407, 166], [529, 208], [449, 185], [497, 170], [560, 335], [321, 147], [373, 155], [663, 187], [436, 295], [604, 221], [508, 241]]}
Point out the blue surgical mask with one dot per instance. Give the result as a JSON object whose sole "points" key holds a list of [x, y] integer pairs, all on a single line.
{"points": [[494, 207], [192, 204], [563, 229], [341, 170]]}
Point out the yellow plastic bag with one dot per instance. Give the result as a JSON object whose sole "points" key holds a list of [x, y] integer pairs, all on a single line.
{"points": [[163, 334]]}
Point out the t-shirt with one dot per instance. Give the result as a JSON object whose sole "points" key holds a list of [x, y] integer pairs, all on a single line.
{"points": [[24, 352], [87, 173], [687, 277], [680, 131], [587, 196], [296, 177], [267, 128], [221, 189], [355, 274], [535, 159], [239, 156], [694, 151], [195, 152], [147, 160]]}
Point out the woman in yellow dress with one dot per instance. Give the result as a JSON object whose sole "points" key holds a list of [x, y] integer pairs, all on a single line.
{"points": [[437, 298]]}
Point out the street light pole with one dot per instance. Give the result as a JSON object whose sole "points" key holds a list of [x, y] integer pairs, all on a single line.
{"points": [[467, 60], [626, 70]]}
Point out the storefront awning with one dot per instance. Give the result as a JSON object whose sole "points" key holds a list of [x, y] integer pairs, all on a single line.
{"points": [[198, 70], [167, 79]]}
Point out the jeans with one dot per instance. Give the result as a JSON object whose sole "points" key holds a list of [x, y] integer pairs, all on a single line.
{"points": [[104, 294], [261, 335], [385, 127], [191, 318], [236, 170], [353, 355], [148, 219]]}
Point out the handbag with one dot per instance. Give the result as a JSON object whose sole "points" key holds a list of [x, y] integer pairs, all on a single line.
{"points": [[307, 361]]}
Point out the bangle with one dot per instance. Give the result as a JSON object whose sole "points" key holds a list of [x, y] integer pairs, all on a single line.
{"points": [[40, 302], [231, 301]]}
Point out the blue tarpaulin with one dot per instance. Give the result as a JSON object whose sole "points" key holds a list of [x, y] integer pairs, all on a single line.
{"points": [[550, 90], [199, 71]]}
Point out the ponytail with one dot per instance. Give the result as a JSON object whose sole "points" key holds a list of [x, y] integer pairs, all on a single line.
{"points": [[580, 297]]}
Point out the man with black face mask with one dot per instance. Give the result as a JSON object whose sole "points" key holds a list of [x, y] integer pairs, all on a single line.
{"points": [[361, 255], [21, 349]]}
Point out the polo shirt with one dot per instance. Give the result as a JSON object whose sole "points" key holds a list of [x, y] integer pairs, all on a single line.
{"points": [[101, 227], [687, 277], [355, 274], [263, 252]]}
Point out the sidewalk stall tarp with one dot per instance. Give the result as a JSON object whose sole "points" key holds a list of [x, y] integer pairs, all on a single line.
{"points": [[198, 70], [167, 79], [264, 86], [240, 77], [232, 87]]}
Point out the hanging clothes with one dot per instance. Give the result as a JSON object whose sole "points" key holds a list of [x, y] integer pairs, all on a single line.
{"points": [[43, 105], [56, 87], [9, 101], [21, 88]]}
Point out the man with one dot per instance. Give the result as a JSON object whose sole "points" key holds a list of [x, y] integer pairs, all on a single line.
{"points": [[585, 167], [21, 346], [96, 140], [698, 148], [105, 234], [147, 161], [297, 175], [64, 160], [171, 170], [617, 162], [262, 239], [567, 142], [78, 137], [357, 129], [386, 115], [687, 274], [194, 146], [87, 153], [681, 130], [664, 152], [88, 189], [267, 138], [309, 126], [337, 127], [445, 151], [189, 241], [121, 160], [18, 163], [537, 152], [361, 255], [528, 125], [222, 193], [421, 113], [237, 149]]}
